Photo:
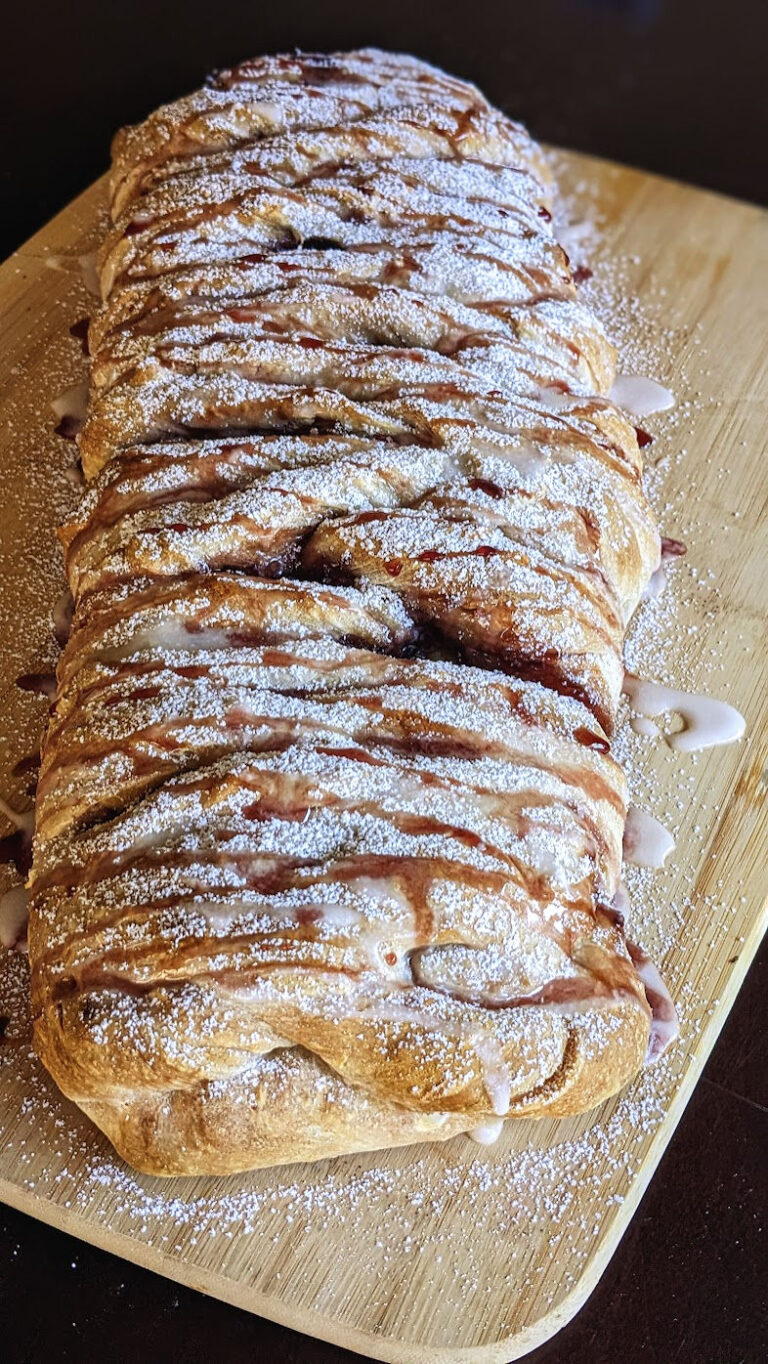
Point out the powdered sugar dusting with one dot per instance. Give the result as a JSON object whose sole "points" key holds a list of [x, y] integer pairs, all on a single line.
{"points": [[395, 1205]]}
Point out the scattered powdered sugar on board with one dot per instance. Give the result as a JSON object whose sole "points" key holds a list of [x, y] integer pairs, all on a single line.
{"points": [[387, 1206], [394, 1204], [644, 335]]}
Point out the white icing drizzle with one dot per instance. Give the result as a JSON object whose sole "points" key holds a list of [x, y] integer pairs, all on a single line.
{"points": [[573, 236], [646, 842], [14, 913], [72, 402], [707, 721], [486, 1133], [621, 901], [670, 550], [554, 397], [665, 1026], [61, 617], [656, 583], [86, 264], [495, 1074], [74, 475], [20, 819], [90, 273], [642, 725], [639, 396]]}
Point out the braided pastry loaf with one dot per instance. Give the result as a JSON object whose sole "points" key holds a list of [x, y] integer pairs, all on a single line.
{"points": [[328, 828]]}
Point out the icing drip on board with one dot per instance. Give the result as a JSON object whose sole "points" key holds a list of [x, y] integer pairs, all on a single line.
{"points": [[72, 402], [670, 549], [656, 584], [70, 408], [85, 265], [487, 1133], [23, 820], [89, 272], [646, 842], [707, 721], [665, 1026], [640, 724], [61, 617], [14, 915], [14, 905], [640, 396]]}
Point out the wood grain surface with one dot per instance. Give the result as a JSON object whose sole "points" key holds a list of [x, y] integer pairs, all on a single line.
{"points": [[451, 1253]]}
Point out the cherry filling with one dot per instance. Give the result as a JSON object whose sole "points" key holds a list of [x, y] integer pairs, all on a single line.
{"points": [[590, 740], [321, 244], [68, 427], [79, 330], [672, 549], [16, 851], [42, 683], [484, 485]]}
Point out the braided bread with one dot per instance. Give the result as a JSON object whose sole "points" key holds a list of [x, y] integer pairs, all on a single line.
{"points": [[328, 829]]}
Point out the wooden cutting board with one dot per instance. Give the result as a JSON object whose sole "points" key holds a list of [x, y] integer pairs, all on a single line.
{"points": [[453, 1252]]}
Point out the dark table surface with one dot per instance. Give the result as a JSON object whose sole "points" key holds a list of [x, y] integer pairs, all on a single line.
{"points": [[675, 86]]}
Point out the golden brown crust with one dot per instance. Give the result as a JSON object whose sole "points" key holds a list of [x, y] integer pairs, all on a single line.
{"points": [[328, 829], [291, 1107]]}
